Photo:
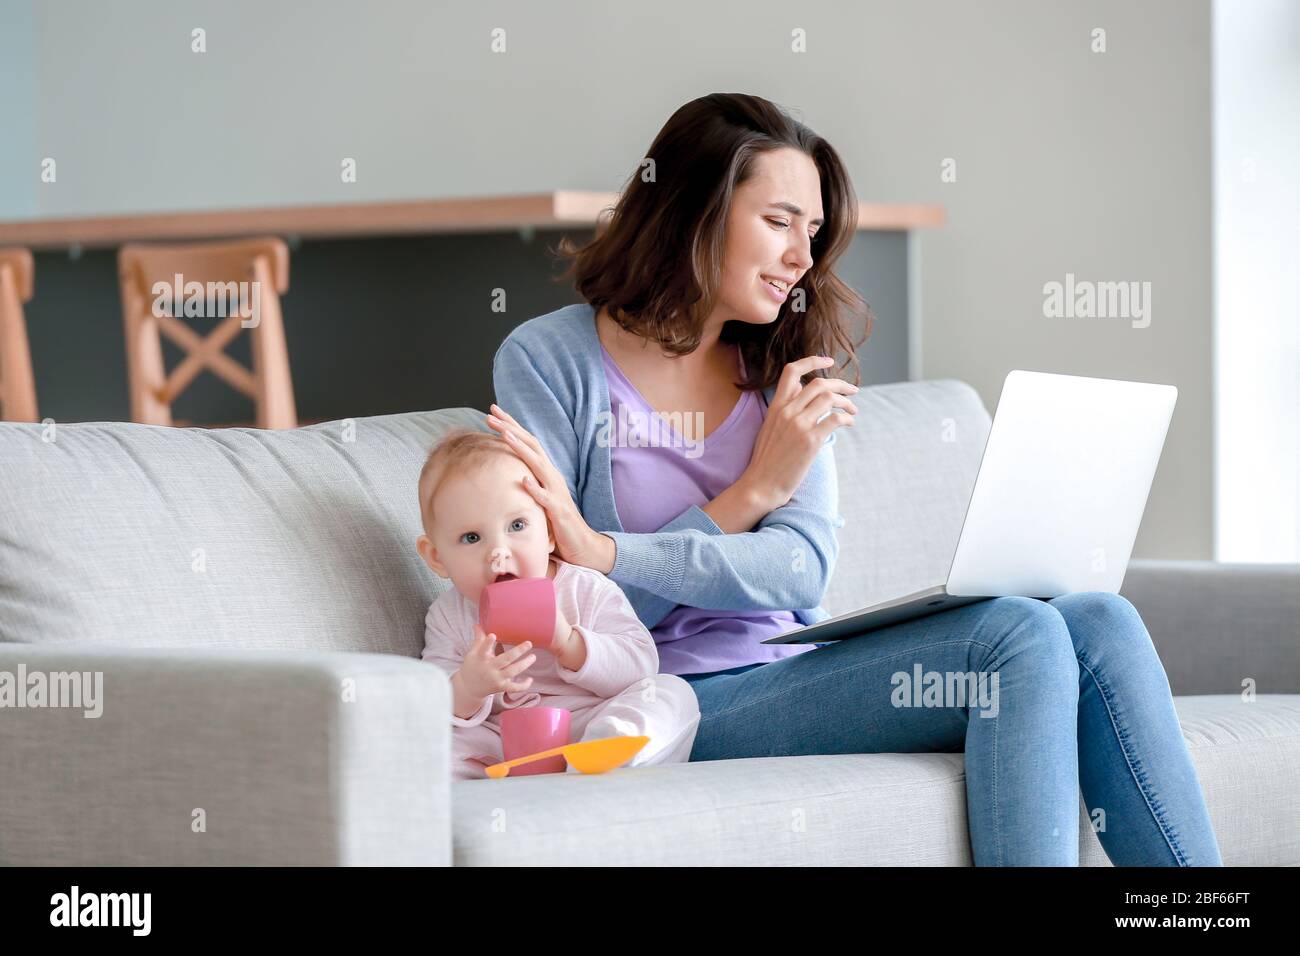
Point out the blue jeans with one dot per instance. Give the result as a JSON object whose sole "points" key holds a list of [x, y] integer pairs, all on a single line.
{"points": [[1061, 697]]}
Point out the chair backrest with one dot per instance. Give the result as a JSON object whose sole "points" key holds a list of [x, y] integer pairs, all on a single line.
{"points": [[244, 279], [906, 470], [17, 383]]}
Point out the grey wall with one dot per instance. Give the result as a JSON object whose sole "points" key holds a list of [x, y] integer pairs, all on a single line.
{"points": [[18, 142], [1073, 162], [1067, 160]]}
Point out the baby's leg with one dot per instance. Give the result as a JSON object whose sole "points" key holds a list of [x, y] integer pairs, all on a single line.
{"points": [[473, 749], [663, 708]]}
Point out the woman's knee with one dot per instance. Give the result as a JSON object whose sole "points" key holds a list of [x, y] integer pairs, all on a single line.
{"points": [[1103, 621], [1104, 608], [1034, 629]]}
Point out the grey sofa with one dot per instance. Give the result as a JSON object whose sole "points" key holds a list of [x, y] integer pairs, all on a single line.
{"points": [[254, 604]]}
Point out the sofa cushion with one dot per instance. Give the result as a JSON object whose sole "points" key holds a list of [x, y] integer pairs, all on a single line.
{"points": [[845, 809], [906, 469], [1247, 754], [148, 535], [887, 809]]}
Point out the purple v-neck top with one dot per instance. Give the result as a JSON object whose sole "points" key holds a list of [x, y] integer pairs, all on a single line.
{"points": [[658, 471]]}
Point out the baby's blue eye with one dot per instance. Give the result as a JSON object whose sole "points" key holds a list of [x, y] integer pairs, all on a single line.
{"points": [[523, 522], [469, 534]]}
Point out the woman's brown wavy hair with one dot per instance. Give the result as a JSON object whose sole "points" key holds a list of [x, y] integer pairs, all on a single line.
{"points": [[634, 265]]}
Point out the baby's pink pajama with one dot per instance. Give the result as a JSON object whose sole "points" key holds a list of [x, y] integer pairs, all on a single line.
{"points": [[618, 690]]}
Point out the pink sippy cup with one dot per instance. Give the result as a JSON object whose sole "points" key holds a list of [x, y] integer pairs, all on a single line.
{"points": [[518, 610]]}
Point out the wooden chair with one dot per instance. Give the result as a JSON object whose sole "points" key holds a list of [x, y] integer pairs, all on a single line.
{"points": [[264, 261], [17, 386]]}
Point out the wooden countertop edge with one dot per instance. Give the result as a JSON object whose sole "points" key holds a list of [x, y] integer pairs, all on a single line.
{"points": [[553, 210]]}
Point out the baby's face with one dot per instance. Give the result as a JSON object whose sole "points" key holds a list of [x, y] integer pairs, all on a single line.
{"points": [[487, 527]]}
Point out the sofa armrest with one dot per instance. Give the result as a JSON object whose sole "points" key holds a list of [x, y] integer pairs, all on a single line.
{"points": [[226, 757], [1215, 625]]}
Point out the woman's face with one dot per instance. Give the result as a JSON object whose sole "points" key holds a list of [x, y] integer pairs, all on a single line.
{"points": [[773, 217]]}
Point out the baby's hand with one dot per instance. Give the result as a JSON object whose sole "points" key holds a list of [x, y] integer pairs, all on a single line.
{"points": [[483, 673]]}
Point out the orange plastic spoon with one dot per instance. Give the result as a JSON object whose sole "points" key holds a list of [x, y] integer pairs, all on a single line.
{"points": [[588, 756]]}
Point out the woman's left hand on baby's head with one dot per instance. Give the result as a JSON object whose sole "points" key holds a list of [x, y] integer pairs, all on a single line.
{"points": [[575, 540]]}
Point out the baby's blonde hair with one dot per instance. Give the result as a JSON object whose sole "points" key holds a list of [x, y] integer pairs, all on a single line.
{"points": [[456, 452]]}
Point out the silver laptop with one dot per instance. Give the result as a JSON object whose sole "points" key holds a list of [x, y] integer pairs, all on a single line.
{"points": [[1057, 502]]}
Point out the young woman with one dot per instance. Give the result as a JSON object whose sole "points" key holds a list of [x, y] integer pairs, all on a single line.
{"points": [[710, 300]]}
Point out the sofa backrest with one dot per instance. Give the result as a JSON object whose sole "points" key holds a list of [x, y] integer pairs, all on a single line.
{"points": [[155, 536], [906, 469]]}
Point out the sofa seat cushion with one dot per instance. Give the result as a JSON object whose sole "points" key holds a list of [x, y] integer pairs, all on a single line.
{"points": [[1248, 757], [845, 809]]}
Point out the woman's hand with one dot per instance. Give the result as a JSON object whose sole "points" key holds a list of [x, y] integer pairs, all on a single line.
{"points": [[575, 541], [791, 437]]}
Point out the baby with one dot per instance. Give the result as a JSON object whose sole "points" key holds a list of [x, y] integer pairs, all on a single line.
{"points": [[481, 526]]}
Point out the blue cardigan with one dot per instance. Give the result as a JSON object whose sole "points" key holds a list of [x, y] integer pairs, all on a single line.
{"points": [[548, 374]]}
